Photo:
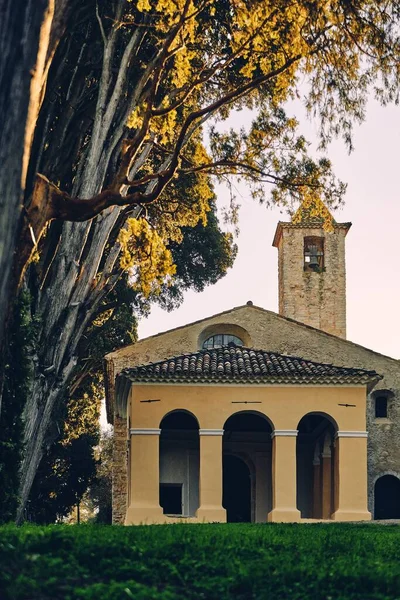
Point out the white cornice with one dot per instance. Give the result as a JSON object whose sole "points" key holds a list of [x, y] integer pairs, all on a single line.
{"points": [[352, 434], [284, 433], [145, 431], [211, 432]]}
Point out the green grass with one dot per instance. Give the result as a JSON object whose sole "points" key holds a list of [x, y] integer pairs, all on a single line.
{"points": [[191, 562]]}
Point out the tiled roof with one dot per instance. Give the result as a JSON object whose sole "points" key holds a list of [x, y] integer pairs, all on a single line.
{"points": [[232, 364]]}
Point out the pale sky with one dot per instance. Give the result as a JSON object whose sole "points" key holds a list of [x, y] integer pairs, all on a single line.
{"points": [[372, 172]]}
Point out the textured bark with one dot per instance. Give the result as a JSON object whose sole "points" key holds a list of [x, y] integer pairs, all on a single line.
{"points": [[68, 284], [29, 34], [21, 22]]}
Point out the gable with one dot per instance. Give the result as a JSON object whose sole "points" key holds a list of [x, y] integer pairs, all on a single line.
{"points": [[261, 329]]}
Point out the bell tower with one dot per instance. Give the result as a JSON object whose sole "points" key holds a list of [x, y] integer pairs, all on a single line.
{"points": [[312, 270]]}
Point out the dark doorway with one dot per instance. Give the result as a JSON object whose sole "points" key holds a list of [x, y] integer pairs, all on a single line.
{"points": [[387, 498], [236, 490], [315, 466], [171, 498]]}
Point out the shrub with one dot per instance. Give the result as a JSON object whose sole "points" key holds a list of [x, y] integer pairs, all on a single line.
{"points": [[193, 562]]}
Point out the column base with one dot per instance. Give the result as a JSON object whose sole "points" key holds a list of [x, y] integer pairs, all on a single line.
{"points": [[344, 515], [284, 515], [144, 515], [211, 514]]}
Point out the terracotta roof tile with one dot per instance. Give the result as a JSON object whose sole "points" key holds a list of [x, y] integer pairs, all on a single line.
{"points": [[234, 364]]}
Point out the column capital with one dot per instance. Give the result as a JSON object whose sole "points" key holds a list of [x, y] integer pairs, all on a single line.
{"points": [[284, 433], [351, 434], [145, 431], [211, 432]]}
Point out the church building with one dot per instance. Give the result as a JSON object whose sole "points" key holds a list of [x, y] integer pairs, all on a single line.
{"points": [[253, 416]]}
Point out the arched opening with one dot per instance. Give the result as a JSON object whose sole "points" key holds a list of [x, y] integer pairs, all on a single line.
{"points": [[316, 466], [224, 332], [387, 498], [247, 467], [179, 464]]}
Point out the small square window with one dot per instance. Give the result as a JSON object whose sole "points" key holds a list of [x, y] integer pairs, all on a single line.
{"points": [[381, 411]]}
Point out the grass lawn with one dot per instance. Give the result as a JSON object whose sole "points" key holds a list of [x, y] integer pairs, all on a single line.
{"points": [[185, 562]]}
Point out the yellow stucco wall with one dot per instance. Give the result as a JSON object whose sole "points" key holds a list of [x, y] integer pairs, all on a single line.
{"points": [[283, 405], [212, 405]]}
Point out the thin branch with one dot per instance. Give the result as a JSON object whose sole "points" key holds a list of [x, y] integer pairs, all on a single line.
{"points": [[103, 35]]}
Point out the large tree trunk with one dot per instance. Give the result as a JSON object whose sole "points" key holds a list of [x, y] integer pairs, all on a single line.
{"points": [[24, 40], [68, 284], [29, 34]]}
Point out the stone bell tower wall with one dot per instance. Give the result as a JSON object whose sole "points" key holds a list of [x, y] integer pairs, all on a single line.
{"points": [[316, 298]]}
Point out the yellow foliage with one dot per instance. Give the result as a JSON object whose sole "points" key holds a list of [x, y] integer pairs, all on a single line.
{"points": [[144, 253], [143, 5], [312, 208]]}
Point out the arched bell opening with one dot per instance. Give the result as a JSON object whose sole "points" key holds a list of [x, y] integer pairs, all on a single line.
{"points": [[316, 466], [247, 467], [387, 498], [179, 464]]}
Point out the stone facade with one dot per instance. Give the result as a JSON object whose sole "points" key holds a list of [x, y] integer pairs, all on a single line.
{"points": [[264, 329], [316, 298], [311, 324], [120, 472]]}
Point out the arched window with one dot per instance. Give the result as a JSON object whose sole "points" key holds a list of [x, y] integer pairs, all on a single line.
{"points": [[222, 339], [381, 403]]}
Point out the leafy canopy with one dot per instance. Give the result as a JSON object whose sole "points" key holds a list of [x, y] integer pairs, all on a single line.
{"points": [[187, 62]]}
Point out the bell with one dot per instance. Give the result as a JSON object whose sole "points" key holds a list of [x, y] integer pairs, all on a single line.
{"points": [[313, 261]]}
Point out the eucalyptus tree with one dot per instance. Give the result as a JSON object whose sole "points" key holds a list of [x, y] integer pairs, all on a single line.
{"points": [[119, 165]]}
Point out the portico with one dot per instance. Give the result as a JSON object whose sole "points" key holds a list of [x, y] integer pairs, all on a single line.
{"points": [[292, 434]]}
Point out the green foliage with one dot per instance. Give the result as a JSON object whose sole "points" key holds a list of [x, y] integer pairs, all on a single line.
{"points": [[69, 465], [17, 381], [217, 561], [202, 258], [99, 494]]}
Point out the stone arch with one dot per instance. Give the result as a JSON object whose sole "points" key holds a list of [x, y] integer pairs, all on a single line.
{"points": [[179, 457], [382, 392], [255, 413], [182, 411], [387, 497], [228, 328], [316, 468]]}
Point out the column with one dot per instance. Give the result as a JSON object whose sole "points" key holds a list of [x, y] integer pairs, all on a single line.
{"points": [[210, 509], [263, 498], [316, 514], [284, 484], [351, 476], [326, 471], [144, 504]]}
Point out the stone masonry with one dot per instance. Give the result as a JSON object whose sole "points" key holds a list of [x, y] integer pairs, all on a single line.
{"points": [[263, 329], [119, 472], [311, 324], [314, 298]]}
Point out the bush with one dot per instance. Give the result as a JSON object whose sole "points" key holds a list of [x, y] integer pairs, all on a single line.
{"points": [[193, 562]]}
